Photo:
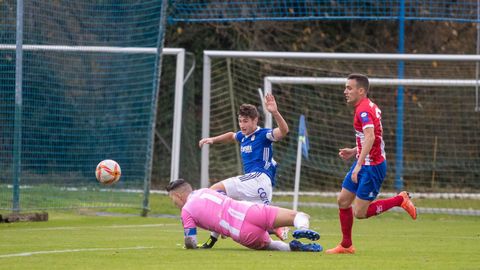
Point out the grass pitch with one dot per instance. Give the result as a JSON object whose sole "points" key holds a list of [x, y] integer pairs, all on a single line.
{"points": [[82, 239]]}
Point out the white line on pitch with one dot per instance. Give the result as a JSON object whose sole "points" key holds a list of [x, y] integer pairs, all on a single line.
{"points": [[91, 227], [67, 251]]}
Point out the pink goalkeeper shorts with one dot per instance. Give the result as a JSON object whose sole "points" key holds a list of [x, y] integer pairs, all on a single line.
{"points": [[258, 221]]}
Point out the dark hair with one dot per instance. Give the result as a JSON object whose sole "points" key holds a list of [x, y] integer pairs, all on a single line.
{"points": [[175, 184], [362, 81], [248, 110]]}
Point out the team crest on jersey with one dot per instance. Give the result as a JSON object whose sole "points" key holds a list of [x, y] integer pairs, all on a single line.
{"points": [[253, 138], [364, 117]]}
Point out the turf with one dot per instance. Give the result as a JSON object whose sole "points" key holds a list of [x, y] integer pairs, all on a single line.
{"points": [[81, 239]]}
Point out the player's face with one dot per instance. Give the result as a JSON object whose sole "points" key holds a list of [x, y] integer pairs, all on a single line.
{"points": [[176, 199], [247, 124], [352, 93]]}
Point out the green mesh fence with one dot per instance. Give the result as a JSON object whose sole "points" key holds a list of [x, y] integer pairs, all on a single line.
{"points": [[280, 10], [84, 99]]}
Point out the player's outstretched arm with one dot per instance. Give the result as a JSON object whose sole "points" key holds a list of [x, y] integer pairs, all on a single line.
{"points": [[347, 153], [224, 138], [271, 105]]}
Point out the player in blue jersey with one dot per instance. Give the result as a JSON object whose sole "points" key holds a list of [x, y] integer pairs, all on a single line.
{"points": [[259, 167]]}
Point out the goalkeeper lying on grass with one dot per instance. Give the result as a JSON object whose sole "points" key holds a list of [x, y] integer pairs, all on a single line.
{"points": [[245, 222]]}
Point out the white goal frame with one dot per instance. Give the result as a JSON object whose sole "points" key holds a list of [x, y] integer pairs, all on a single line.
{"points": [[290, 80], [270, 80], [180, 79], [209, 55]]}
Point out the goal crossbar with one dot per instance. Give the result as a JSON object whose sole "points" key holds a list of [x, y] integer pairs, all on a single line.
{"points": [[270, 80]]}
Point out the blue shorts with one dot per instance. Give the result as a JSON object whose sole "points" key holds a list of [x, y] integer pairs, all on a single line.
{"points": [[370, 179]]}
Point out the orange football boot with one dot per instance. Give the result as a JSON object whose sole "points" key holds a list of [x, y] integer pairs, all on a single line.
{"points": [[341, 250], [407, 205]]}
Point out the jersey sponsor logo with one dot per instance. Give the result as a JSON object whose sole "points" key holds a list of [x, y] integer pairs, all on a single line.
{"points": [[246, 149], [364, 117], [263, 195]]}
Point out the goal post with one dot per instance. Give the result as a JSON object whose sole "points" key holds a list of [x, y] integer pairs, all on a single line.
{"points": [[178, 53]]}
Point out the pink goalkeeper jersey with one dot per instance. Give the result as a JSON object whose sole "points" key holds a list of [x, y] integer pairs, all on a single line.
{"points": [[216, 212], [367, 114]]}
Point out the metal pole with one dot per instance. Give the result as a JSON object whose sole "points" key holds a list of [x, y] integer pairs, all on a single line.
{"points": [[233, 113], [154, 104], [17, 141], [400, 92], [177, 116], [205, 121], [298, 168], [477, 106]]}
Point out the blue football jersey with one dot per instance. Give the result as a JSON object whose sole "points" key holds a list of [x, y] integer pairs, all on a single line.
{"points": [[257, 153]]}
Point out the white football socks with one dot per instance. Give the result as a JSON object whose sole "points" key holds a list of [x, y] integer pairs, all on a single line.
{"points": [[278, 245], [301, 221], [214, 234]]}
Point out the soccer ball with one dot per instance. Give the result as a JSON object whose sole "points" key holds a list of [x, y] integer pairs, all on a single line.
{"points": [[108, 172]]}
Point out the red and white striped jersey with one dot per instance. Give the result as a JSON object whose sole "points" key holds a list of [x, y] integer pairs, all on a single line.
{"points": [[368, 115]]}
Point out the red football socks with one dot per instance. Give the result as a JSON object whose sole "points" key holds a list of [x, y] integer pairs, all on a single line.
{"points": [[346, 222], [380, 206]]}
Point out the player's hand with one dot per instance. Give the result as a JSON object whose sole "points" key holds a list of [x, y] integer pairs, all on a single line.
{"points": [[355, 173], [205, 141], [347, 153], [270, 103]]}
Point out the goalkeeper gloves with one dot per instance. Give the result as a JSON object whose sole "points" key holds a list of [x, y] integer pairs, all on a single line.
{"points": [[209, 244]]}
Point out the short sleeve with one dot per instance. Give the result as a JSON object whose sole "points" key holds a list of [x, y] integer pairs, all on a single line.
{"points": [[269, 135], [239, 136], [366, 119]]}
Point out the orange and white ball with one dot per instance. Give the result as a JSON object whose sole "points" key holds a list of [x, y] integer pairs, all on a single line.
{"points": [[108, 172]]}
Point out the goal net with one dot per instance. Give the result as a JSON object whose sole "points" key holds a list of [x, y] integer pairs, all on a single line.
{"points": [[441, 128], [86, 91]]}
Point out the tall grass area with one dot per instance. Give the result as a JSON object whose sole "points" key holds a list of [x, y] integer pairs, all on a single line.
{"points": [[83, 239]]}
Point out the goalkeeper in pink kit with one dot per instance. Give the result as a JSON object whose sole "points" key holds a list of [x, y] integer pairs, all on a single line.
{"points": [[246, 223]]}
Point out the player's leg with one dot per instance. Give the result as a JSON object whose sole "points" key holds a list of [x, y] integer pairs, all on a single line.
{"points": [[370, 183], [260, 218], [345, 214], [367, 209], [265, 194], [278, 245], [301, 221]]}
